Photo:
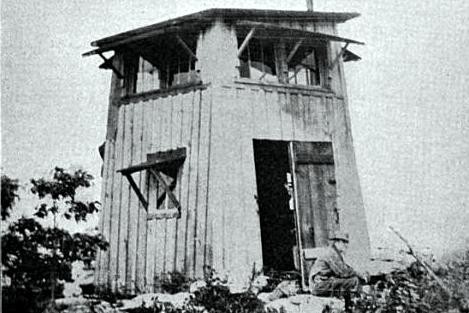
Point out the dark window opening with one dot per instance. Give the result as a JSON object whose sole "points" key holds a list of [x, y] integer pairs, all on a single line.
{"points": [[296, 61], [170, 176], [304, 67], [258, 60], [161, 63], [278, 231]]}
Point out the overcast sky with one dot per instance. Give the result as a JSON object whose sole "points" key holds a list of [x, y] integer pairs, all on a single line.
{"points": [[408, 99]]}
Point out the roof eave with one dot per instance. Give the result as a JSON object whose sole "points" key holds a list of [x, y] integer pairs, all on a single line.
{"points": [[227, 14]]}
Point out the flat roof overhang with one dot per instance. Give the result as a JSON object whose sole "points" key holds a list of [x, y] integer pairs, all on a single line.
{"points": [[201, 20]]}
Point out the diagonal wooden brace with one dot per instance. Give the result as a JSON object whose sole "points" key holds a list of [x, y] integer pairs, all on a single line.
{"points": [[137, 191], [108, 62], [186, 47], [337, 58], [167, 188], [246, 41]]}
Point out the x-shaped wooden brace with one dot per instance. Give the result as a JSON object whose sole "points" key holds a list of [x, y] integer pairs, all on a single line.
{"points": [[168, 189]]}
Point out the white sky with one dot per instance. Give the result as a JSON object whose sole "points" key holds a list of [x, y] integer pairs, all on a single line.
{"points": [[408, 99]]}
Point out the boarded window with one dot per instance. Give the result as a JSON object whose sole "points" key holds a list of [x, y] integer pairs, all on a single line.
{"points": [[163, 172]]}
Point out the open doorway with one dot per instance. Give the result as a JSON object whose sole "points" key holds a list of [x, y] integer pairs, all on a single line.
{"points": [[277, 221]]}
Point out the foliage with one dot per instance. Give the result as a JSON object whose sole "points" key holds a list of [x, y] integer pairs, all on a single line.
{"points": [[38, 259], [63, 188], [9, 195], [276, 277], [413, 290], [217, 299], [175, 282]]}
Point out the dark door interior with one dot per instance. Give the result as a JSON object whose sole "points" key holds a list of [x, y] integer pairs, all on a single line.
{"points": [[276, 218]]}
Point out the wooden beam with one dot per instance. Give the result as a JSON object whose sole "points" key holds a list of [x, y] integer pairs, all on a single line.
{"points": [[246, 41], [337, 58], [109, 64], [167, 188], [295, 48], [137, 191], [164, 214], [186, 47]]}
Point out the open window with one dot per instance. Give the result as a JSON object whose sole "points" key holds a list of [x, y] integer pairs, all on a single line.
{"points": [[258, 61], [161, 63], [305, 64], [272, 53], [162, 171]]}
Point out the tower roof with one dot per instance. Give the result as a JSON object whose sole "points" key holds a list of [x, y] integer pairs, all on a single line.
{"points": [[200, 20]]}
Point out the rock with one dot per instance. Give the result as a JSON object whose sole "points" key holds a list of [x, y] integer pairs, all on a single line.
{"points": [[145, 300], [313, 304], [178, 300], [282, 306], [264, 296], [82, 305], [305, 303], [148, 300]]}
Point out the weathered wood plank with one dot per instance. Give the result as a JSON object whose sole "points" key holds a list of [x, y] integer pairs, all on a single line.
{"points": [[160, 224], [186, 112], [164, 214], [203, 143], [286, 117], [152, 196], [273, 115], [142, 210], [176, 142], [193, 194], [134, 203], [171, 200], [151, 237], [114, 221], [123, 284], [106, 200], [251, 255]]}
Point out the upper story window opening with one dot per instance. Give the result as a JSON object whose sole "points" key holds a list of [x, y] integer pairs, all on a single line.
{"points": [[287, 61], [258, 61], [160, 64], [306, 65]]}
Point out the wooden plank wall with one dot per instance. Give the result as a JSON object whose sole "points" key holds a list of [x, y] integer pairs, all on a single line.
{"points": [[219, 224], [140, 249], [241, 113]]}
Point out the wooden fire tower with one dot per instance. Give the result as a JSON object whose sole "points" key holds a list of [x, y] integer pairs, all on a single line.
{"points": [[228, 146]]}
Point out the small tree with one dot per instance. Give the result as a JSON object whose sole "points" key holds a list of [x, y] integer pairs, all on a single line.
{"points": [[37, 259]]}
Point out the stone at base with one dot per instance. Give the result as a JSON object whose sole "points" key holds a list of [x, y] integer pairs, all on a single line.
{"points": [[306, 304]]}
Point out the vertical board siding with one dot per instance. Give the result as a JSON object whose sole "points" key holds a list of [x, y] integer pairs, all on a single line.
{"points": [[106, 200], [114, 221], [123, 283], [216, 186]]}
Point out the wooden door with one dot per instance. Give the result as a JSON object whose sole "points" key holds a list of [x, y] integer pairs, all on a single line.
{"points": [[315, 198]]}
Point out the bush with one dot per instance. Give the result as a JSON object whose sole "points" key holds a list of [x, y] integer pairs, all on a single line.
{"points": [[38, 259], [414, 291], [175, 282]]}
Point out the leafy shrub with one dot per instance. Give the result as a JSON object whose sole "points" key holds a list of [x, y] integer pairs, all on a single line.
{"points": [[414, 291], [175, 282], [37, 259]]}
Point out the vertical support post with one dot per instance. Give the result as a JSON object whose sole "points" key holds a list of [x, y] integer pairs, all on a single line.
{"points": [[309, 5], [280, 56]]}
